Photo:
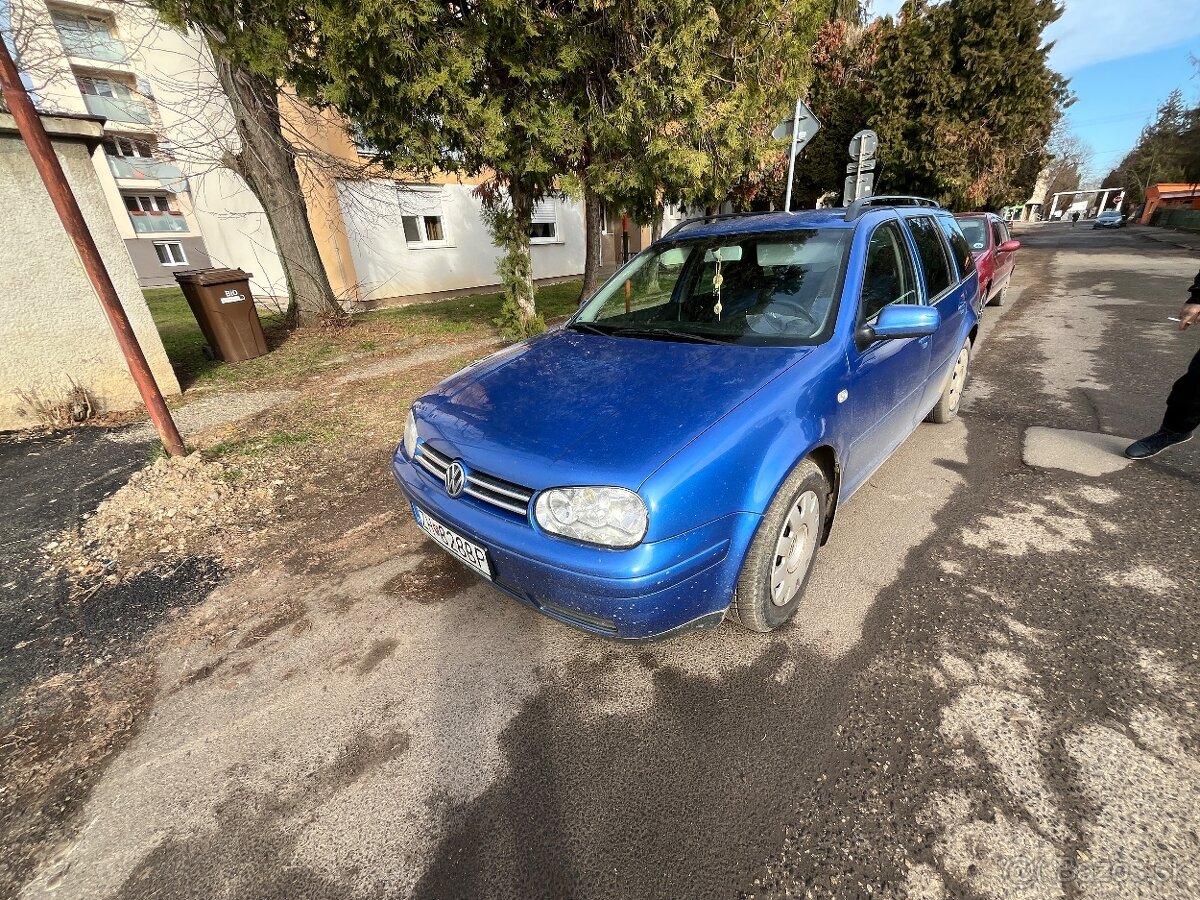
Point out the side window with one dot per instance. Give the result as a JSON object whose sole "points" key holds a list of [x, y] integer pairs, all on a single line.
{"points": [[889, 276], [999, 233], [959, 248], [931, 250]]}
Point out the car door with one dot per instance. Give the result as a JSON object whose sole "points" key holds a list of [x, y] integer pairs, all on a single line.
{"points": [[939, 278], [1005, 261], [887, 378], [957, 307]]}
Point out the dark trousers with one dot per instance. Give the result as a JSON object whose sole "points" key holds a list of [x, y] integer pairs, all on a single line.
{"points": [[1183, 406]]}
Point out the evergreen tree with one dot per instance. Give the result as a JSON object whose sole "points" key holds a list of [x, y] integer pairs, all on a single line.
{"points": [[844, 98], [678, 99], [966, 99], [1166, 151]]}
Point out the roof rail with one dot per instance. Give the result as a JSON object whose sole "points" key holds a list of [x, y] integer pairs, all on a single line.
{"points": [[687, 223], [856, 209]]}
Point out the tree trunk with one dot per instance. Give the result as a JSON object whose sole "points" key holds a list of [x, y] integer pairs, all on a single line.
{"points": [[591, 259], [520, 259], [656, 223], [267, 163]]}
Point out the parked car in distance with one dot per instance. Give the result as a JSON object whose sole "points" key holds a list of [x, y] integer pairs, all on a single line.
{"points": [[679, 449], [1110, 218], [995, 254]]}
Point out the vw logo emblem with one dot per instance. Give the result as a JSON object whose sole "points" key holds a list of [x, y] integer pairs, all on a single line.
{"points": [[456, 479]]}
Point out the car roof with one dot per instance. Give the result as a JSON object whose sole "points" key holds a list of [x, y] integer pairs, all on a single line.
{"points": [[976, 215], [797, 220]]}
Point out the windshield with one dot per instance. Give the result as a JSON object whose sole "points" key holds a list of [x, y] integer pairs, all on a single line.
{"points": [[759, 289], [976, 233]]}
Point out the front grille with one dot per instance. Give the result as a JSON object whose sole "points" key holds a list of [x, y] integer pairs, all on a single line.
{"points": [[487, 488]]}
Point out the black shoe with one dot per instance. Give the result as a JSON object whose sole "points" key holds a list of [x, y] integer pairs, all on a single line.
{"points": [[1156, 443]]}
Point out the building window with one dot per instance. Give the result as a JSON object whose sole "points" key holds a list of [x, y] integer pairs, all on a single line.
{"points": [[128, 147], [423, 230], [543, 227], [147, 203], [95, 86], [604, 217], [170, 253]]}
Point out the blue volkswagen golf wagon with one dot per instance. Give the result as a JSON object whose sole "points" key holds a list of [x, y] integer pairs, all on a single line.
{"points": [[677, 451]]}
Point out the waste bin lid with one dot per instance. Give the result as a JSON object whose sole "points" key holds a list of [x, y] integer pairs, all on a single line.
{"points": [[212, 276]]}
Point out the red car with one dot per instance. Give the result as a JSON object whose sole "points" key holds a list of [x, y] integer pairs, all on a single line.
{"points": [[995, 254]]}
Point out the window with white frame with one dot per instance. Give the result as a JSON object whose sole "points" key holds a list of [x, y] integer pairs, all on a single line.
{"points": [[543, 225], [103, 87], [421, 217], [170, 253]]}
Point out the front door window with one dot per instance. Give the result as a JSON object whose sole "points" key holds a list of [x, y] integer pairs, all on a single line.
{"points": [[889, 277]]}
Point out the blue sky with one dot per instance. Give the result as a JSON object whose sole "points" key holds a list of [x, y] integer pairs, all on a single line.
{"points": [[1123, 57]]}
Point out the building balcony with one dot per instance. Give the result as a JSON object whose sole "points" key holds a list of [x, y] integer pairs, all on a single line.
{"points": [[116, 109], [158, 222], [95, 47], [142, 169]]}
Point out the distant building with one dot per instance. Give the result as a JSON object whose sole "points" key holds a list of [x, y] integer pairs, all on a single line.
{"points": [[1169, 196]]}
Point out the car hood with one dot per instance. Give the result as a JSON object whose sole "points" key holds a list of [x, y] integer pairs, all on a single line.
{"points": [[575, 408]]}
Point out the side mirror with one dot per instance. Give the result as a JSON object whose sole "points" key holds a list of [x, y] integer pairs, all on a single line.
{"points": [[1009, 247], [896, 322]]}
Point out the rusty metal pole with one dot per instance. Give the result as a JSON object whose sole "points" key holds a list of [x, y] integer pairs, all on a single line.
{"points": [[48, 166]]}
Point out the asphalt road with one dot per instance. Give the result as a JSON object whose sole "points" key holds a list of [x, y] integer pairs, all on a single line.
{"points": [[991, 690]]}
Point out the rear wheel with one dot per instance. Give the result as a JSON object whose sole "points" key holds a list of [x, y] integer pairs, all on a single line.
{"points": [[780, 561], [947, 405]]}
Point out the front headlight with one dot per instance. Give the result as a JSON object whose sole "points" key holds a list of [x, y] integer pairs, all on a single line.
{"points": [[609, 516], [410, 435]]}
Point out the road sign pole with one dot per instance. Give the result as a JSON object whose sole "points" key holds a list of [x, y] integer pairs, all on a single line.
{"points": [[792, 153]]}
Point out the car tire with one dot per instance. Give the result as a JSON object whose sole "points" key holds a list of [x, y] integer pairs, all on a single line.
{"points": [[946, 408], [999, 299], [772, 583]]}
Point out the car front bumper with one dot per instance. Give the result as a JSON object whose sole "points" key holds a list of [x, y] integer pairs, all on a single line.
{"points": [[650, 591]]}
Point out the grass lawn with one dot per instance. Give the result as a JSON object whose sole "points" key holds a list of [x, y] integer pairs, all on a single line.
{"points": [[298, 352]]}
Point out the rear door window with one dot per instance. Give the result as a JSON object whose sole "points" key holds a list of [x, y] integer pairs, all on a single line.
{"points": [[931, 251], [959, 248]]}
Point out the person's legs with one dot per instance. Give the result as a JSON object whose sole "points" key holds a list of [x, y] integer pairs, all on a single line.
{"points": [[1182, 418], [1183, 405]]}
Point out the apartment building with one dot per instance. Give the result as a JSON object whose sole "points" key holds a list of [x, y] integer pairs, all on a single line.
{"points": [[168, 128]]}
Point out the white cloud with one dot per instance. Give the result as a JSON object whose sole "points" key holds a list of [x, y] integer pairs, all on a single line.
{"points": [[1096, 31]]}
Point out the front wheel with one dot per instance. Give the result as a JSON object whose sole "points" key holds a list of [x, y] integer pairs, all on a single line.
{"points": [[999, 299], [780, 561], [947, 405]]}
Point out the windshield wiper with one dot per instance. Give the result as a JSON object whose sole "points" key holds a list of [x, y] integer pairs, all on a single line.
{"points": [[659, 333], [585, 326]]}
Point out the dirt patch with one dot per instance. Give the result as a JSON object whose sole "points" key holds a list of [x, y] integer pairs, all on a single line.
{"points": [[437, 578], [59, 733], [173, 508]]}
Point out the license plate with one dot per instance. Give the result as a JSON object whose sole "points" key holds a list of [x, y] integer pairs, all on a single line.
{"points": [[467, 551]]}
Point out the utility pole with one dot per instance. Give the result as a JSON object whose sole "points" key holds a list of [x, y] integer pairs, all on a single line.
{"points": [[29, 124]]}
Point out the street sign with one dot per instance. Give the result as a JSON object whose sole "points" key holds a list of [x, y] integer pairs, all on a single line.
{"points": [[800, 129], [860, 172], [859, 185], [863, 144]]}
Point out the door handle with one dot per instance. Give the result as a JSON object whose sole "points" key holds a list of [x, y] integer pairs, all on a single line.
{"points": [[924, 342]]}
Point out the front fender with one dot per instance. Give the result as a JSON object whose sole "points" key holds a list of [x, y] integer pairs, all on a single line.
{"points": [[738, 464]]}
